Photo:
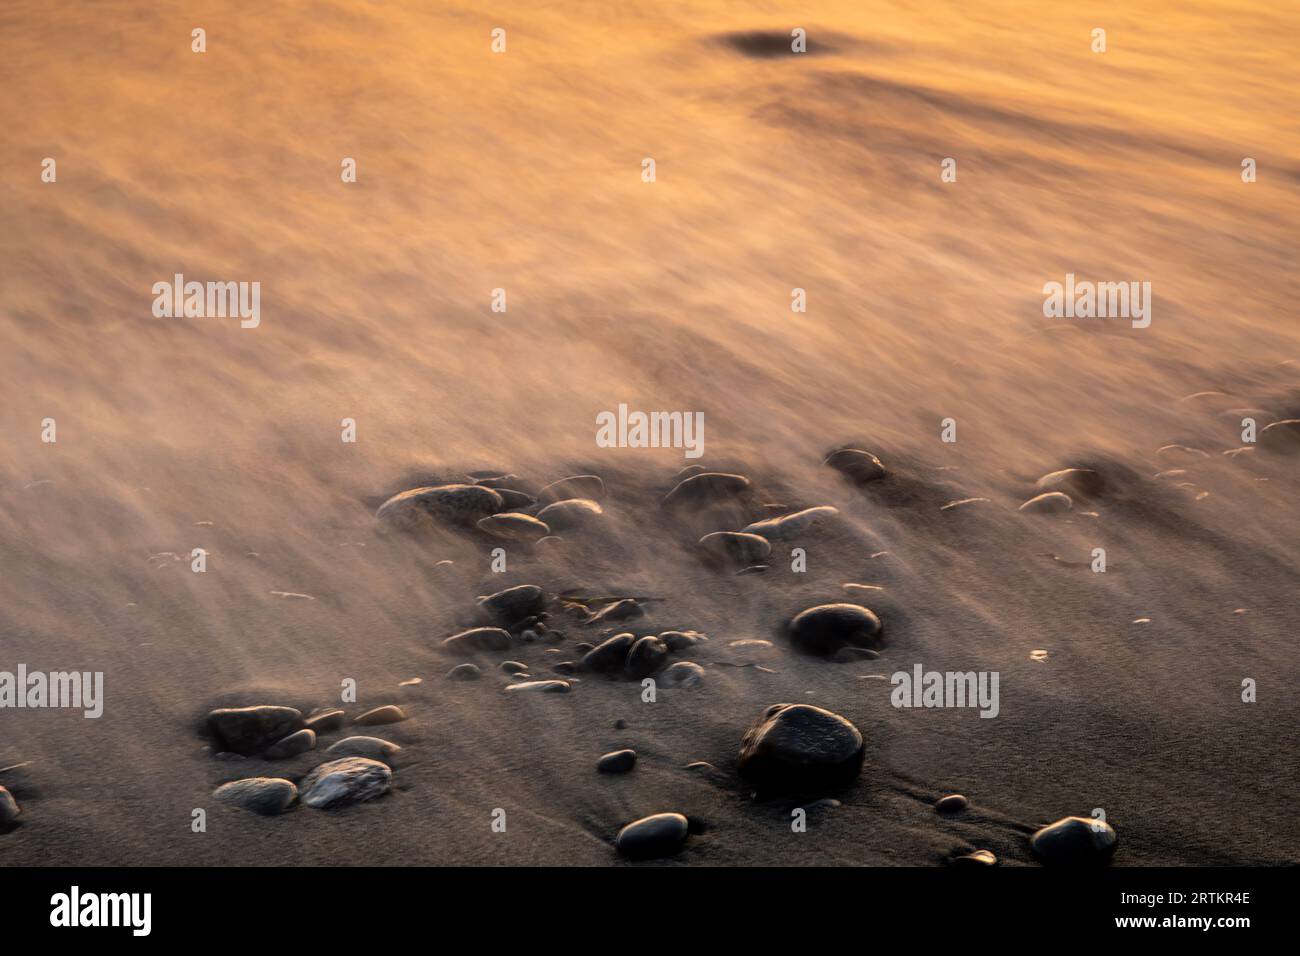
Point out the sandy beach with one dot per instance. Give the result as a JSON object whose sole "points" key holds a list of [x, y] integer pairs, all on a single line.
{"points": [[1160, 691]]}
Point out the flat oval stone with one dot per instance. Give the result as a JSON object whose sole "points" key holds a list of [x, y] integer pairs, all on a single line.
{"points": [[388, 714], [706, 488], [1048, 503], [645, 657], [464, 672], [541, 687], [513, 526], [682, 674], [513, 605], [979, 858], [577, 486], [677, 640], [291, 746], [265, 795], [953, 803], [247, 730], [572, 514], [345, 781], [618, 761], [513, 667], [735, 547], [824, 629], [478, 639], [793, 525], [439, 505], [856, 465], [1282, 437], [1075, 841], [800, 748], [376, 748], [660, 835], [325, 721], [609, 655]]}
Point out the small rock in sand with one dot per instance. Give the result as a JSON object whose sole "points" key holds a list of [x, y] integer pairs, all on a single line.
{"points": [[1075, 841], [619, 761], [478, 639], [734, 547], [514, 604], [800, 748], [464, 672], [1077, 482], [609, 655], [1048, 503], [645, 657], [388, 714], [541, 687], [627, 609], [291, 746], [682, 674], [513, 526], [246, 730], [787, 527], [707, 488], [513, 667], [265, 795], [823, 630], [572, 514], [977, 859], [660, 835], [953, 803], [375, 748], [438, 505], [677, 640], [565, 667], [1282, 437], [578, 486], [325, 721], [349, 780], [856, 465], [9, 809]]}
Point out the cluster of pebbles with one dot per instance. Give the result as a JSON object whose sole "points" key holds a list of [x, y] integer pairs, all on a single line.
{"points": [[357, 769]]}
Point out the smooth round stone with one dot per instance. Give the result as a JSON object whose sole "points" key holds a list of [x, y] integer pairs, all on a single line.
{"points": [[854, 655], [375, 748], [800, 748], [291, 746], [823, 630], [610, 655], [856, 465], [464, 672], [1075, 841], [577, 486], [388, 714], [540, 687], [660, 835], [1048, 503], [439, 505], [793, 525], [513, 604], [345, 781], [513, 667], [619, 761], [682, 674], [1281, 437], [325, 721], [513, 526], [9, 809], [678, 640], [706, 488], [572, 514], [1077, 482], [646, 656], [953, 803], [979, 858], [247, 730], [478, 639], [265, 795], [735, 547]]}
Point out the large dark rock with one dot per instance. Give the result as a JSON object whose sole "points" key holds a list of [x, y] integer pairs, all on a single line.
{"points": [[824, 629], [249, 730], [1075, 841], [660, 835], [707, 488], [856, 465], [513, 604], [799, 748], [609, 656], [478, 639], [645, 658], [438, 506]]}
